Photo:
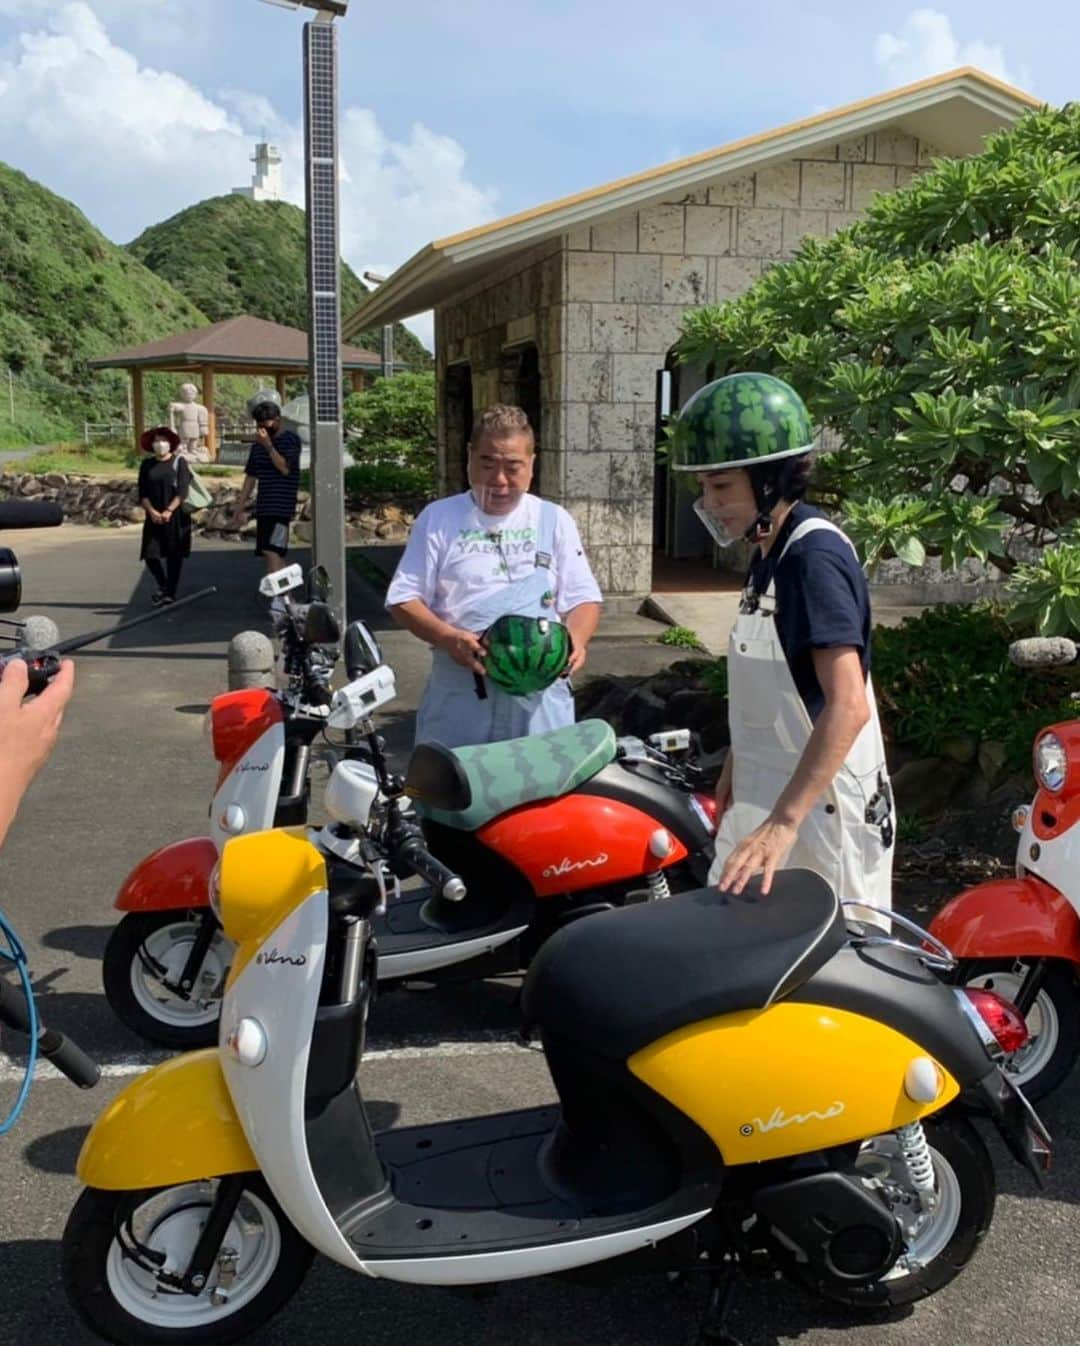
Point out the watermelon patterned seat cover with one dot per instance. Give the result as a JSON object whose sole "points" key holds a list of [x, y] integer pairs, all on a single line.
{"points": [[503, 776]]}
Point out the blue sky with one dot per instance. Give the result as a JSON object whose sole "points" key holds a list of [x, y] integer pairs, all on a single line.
{"points": [[458, 113]]}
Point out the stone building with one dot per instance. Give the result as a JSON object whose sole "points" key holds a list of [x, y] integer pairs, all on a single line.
{"points": [[571, 309]]}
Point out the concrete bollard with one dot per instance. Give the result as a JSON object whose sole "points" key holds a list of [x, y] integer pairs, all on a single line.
{"points": [[251, 661]]}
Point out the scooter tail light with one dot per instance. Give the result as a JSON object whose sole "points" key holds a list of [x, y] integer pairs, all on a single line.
{"points": [[1002, 1018], [705, 807]]}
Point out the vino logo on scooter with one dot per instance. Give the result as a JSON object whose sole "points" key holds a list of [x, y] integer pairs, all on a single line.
{"points": [[567, 866], [273, 956], [779, 1120]]}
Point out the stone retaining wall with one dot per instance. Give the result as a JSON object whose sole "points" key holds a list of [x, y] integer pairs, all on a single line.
{"points": [[109, 502]]}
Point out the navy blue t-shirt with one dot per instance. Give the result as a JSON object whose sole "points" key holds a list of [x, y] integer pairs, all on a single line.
{"points": [[822, 599], [277, 492]]}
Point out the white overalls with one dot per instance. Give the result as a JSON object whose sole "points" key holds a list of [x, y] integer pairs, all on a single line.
{"points": [[450, 710], [847, 837]]}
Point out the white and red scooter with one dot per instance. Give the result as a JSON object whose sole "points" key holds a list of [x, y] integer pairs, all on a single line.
{"points": [[1021, 936]]}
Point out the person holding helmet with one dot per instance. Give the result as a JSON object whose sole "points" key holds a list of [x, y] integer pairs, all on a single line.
{"points": [[273, 466], [495, 580], [805, 783]]}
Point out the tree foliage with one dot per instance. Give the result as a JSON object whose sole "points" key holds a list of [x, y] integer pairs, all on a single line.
{"points": [[231, 255], [392, 432], [938, 341]]}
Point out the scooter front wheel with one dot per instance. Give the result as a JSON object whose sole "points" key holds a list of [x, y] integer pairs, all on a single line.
{"points": [[119, 1248], [1053, 1021], [146, 953]]}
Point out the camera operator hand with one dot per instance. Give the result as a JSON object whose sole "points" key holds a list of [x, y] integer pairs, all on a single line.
{"points": [[28, 731]]}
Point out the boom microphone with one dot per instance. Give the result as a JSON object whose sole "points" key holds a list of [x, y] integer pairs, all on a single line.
{"points": [[30, 514], [40, 633]]}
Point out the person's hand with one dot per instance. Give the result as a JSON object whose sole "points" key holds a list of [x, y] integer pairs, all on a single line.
{"points": [[239, 513], [262, 436], [576, 661], [759, 853], [466, 649], [29, 731]]}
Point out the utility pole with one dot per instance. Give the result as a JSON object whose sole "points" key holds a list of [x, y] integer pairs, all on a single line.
{"points": [[324, 287]]}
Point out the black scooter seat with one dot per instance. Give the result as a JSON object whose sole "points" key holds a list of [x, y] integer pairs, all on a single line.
{"points": [[616, 981]]}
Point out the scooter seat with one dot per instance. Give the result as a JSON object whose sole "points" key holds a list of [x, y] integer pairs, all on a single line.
{"points": [[503, 776], [616, 981]]}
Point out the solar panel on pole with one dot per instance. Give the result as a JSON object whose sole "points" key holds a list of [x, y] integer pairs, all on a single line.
{"points": [[324, 280]]}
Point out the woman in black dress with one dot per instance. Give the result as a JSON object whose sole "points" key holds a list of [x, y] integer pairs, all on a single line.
{"points": [[164, 479]]}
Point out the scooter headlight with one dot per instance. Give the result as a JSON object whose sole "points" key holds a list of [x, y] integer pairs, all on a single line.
{"points": [[213, 887], [1051, 763]]}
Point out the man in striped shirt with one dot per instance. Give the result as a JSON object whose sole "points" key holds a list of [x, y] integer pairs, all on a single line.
{"points": [[273, 466]]}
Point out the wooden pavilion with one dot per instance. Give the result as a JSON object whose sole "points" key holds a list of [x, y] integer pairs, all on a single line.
{"points": [[241, 345]]}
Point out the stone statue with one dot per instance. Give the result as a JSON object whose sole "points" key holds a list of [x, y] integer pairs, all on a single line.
{"points": [[194, 424]]}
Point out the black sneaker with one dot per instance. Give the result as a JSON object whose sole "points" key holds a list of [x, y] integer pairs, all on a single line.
{"points": [[166, 599], [158, 597]]}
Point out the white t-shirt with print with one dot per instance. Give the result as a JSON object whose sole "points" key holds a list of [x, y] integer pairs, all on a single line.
{"points": [[450, 559]]}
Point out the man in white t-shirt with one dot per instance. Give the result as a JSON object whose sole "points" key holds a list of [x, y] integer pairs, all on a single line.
{"points": [[472, 555]]}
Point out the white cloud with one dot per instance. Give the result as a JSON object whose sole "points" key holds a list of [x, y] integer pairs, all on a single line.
{"points": [[927, 45], [132, 145]]}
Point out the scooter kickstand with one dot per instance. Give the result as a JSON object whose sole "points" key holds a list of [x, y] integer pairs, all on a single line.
{"points": [[722, 1286]]}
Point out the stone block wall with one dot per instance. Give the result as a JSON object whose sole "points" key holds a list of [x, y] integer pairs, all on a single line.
{"points": [[487, 327], [604, 305], [629, 281]]}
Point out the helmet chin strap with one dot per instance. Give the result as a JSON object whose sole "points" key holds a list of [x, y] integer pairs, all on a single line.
{"points": [[766, 501]]}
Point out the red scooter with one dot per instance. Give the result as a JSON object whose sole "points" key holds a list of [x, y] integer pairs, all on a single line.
{"points": [[1021, 936], [559, 825]]}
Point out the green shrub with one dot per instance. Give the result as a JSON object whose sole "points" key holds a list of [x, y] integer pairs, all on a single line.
{"points": [[946, 675], [681, 636]]}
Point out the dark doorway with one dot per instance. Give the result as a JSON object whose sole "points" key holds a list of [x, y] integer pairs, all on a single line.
{"points": [[676, 531], [459, 424], [519, 385]]}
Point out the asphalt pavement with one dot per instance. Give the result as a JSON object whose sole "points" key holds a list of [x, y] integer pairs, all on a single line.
{"points": [[133, 772]]}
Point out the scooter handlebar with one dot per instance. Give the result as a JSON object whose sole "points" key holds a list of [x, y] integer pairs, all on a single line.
{"points": [[68, 1058], [420, 860]]}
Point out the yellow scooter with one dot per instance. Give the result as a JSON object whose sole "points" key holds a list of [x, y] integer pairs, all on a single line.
{"points": [[738, 1079]]}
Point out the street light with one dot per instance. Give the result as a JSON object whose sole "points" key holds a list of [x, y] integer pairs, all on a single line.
{"points": [[387, 332], [324, 287], [335, 8]]}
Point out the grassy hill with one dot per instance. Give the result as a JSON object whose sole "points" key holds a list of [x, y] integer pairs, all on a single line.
{"points": [[66, 295], [233, 255]]}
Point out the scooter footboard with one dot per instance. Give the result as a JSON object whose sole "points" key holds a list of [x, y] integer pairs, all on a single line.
{"points": [[1009, 918], [174, 1124], [174, 877]]}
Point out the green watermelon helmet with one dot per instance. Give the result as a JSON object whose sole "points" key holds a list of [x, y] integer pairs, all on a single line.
{"points": [[739, 421], [526, 654]]}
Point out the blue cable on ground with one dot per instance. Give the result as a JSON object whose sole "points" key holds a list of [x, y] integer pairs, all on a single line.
{"points": [[15, 955]]}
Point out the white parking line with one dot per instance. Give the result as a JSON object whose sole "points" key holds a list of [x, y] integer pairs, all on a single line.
{"points": [[11, 1072]]}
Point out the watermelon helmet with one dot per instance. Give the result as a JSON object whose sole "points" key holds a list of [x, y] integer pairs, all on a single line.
{"points": [[753, 421], [526, 654]]}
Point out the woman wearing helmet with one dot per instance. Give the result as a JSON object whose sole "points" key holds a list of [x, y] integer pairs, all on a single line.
{"points": [[496, 581], [805, 783]]}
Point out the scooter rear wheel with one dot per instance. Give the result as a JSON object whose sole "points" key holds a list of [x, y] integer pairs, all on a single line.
{"points": [[119, 1297], [941, 1242], [142, 943], [1053, 1021]]}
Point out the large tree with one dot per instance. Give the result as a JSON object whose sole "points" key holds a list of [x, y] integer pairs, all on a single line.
{"points": [[938, 341]]}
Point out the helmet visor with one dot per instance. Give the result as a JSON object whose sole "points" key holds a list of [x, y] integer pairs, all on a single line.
{"points": [[720, 533]]}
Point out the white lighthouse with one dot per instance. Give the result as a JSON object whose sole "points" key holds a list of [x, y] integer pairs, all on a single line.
{"points": [[266, 180]]}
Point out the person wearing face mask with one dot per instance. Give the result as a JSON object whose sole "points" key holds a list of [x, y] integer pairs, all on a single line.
{"points": [[805, 783], [164, 481], [494, 580]]}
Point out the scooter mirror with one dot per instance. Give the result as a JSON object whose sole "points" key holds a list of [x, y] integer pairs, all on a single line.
{"points": [[321, 626], [435, 777], [318, 585], [362, 652]]}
